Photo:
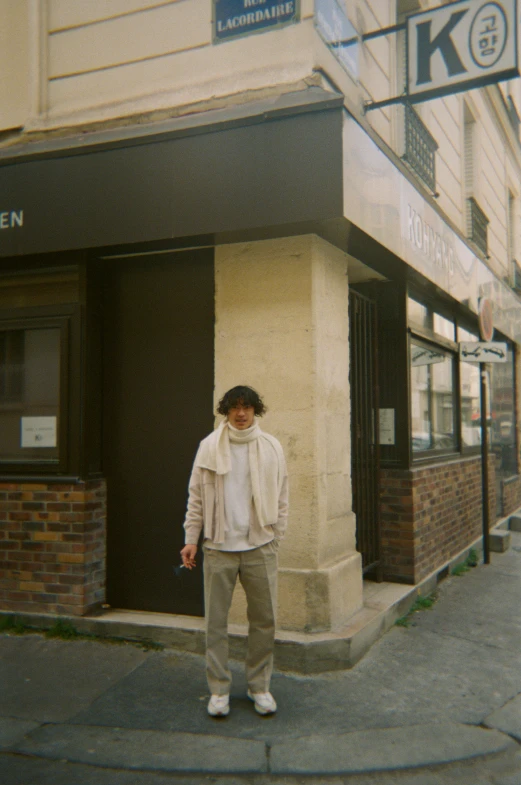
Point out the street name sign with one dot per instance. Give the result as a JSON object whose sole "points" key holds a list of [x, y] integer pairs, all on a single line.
{"points": [[483, 352], [234, 18], [459, 46]]}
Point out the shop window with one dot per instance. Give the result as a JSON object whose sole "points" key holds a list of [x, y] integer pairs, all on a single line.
{"points": [[11, 367], [470, 397], [432, 398], [443, 326], [34, 393], [417, 313], [421, 315]]}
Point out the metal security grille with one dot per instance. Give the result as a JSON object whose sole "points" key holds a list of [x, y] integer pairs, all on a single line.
{"points": [[420, 148], [364, 429], [478, 223]]}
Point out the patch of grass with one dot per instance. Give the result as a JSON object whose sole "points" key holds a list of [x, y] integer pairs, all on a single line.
{"points": [[62, 629], [465, 566], [66, 631], [420, 604], [148, 645], [13, 625], [6, 623]]}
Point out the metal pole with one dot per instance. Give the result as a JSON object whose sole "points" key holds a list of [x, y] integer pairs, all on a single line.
{"points": [[484, 463]]}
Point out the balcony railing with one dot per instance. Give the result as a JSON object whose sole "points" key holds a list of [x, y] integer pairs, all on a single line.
{"points": [[477, 225], [420, 148]]}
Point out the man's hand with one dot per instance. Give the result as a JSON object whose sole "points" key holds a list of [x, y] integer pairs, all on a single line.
{"points": [[188, 556]]}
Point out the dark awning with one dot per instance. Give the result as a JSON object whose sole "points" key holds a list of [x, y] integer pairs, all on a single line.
{"points": [[274, 162]]}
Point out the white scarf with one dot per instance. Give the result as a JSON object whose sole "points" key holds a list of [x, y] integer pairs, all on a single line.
{"points": [[266, 464]]}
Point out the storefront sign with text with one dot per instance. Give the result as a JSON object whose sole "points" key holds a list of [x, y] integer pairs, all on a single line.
{"points": [[11, 219], [461, 45]]}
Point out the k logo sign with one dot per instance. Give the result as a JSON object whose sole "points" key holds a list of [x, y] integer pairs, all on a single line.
{"points": [[460, 46]]}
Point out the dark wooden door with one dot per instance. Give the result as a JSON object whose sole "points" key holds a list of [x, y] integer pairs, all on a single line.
{"points": [[158, 397], [365, 461]]}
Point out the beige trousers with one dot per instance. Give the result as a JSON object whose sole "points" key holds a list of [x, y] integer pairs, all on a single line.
{"points": [[257, 571]]}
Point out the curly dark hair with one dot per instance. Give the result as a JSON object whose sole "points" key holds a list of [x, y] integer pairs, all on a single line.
{"points": [[241, 394]]}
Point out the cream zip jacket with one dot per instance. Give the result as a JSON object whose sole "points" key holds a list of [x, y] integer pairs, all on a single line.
{"points": [[206, 502]]}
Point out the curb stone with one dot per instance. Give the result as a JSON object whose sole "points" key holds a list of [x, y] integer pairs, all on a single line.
{"points": [[356, 752], [386, 749], [13, 730], [121, 748]]}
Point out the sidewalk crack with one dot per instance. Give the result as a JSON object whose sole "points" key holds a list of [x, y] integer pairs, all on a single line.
{"points": [[268, 757]]}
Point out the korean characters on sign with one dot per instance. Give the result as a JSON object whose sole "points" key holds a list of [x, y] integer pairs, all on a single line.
{"points": [[488, 35]]}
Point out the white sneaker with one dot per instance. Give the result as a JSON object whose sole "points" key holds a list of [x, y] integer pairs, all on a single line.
{"points": [[264, 702], [219, 705]]}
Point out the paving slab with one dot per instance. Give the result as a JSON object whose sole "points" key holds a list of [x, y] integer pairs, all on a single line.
{"points": [[11, 730], [507, 719], [143, 749], [512, 773], [48, 680], [385, 749]]}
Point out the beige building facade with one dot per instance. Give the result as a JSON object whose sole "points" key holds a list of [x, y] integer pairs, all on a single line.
{"points": [[197, 195]]}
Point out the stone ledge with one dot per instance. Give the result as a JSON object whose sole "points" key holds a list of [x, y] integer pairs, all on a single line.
{"points": [[499, 540], [297, 652]]}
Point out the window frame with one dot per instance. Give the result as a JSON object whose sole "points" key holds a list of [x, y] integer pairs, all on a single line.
{"points": [[418, 456], [425, 334], [67, 319]]}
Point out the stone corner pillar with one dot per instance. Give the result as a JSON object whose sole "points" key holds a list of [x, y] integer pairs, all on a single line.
{"points": [[282, 327]]}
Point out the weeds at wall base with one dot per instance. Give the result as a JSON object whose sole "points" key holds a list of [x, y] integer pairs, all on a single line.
{"points": [[425, 603], [420, 604], [465, 566], [63, 629]]}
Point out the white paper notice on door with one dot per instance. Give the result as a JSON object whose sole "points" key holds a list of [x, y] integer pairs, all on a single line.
{"points": [[386, 426], [38, 431]]}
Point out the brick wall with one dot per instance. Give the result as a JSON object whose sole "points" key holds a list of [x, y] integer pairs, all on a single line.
{"points": [[430, 514], [52, 547]]}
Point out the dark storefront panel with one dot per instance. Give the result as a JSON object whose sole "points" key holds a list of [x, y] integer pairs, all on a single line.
{"points": [[158, 396], [260, 174]]}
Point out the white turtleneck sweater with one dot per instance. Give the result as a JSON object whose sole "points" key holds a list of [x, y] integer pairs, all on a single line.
{"points": [[238, 500]]}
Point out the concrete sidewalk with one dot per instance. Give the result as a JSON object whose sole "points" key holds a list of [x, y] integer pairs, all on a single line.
{"points": [[437, 702]]}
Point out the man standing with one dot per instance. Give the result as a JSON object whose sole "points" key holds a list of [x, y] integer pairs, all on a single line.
{"points": [[238, 499]]}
